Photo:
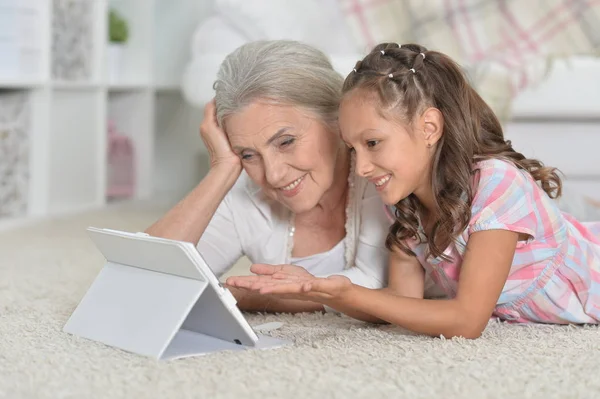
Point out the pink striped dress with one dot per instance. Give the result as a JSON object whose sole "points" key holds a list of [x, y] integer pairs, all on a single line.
{"points": [[555, 275]]}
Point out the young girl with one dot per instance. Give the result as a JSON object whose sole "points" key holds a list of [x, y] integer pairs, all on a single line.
{"points": [[467, 209]]}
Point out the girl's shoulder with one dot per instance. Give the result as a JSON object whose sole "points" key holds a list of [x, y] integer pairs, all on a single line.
{"points": [[495, 166], [501, 177], [505, 197]]}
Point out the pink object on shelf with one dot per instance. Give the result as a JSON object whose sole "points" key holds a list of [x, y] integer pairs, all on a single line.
{"points": [[120, 182]]}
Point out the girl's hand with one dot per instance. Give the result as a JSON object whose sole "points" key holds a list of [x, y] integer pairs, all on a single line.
{"points": [[216, 141], [266, 275], [291, 281]]}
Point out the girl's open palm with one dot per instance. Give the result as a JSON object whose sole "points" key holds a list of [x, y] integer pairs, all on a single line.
{"points": [[291, 282]]}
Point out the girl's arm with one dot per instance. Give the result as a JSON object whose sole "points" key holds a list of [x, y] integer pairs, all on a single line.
{"points": [[253, 302], [406, 278], [406, 275], [484, 271]]}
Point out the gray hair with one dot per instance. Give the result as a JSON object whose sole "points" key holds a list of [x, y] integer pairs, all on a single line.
{"points": [[283, 71]]}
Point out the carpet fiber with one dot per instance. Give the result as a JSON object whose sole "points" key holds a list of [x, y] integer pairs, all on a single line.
{"points": [[46, 268]]}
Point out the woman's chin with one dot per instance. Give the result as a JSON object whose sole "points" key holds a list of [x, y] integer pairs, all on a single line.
{"points": [[299, 207], [300, 203], [296, 203]]}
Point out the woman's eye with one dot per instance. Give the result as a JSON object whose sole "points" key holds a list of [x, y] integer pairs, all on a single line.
{"points": [[246, 157], [287, 142], [372, 143]]}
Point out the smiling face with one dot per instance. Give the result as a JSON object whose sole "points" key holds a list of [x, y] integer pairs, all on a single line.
{"points": [[395, 157], [287, 151]]}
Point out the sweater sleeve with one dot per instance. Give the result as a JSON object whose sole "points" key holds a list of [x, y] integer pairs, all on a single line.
{"points": [[220, 245]]}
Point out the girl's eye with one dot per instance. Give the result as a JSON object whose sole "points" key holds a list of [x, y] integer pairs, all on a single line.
{"points": [[246, 157], [372, 143]]}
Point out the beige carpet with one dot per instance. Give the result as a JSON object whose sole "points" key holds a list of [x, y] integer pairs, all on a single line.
{"points": [[46, 268]]}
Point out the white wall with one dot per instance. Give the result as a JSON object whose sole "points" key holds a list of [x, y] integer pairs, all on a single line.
{"points": [[179, 152], [180, 156], [559, 124]]}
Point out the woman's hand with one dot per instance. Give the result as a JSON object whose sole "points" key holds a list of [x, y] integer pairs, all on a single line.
{"points": [[216, 141], [293, 282]]}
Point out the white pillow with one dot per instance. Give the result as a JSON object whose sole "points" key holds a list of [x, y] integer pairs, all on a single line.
{"points": [[319, 23], [211, 42]]}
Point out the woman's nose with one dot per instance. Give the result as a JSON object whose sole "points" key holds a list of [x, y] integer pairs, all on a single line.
{"points": [[274, 171]]}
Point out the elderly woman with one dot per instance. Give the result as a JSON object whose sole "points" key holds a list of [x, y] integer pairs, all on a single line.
{"points": [[280, 189]]}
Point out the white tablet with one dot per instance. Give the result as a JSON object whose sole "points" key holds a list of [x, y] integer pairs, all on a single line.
{"points": [[157, 296]]}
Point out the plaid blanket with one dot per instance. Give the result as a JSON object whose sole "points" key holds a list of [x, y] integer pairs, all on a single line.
{"points": [[505, 45]]}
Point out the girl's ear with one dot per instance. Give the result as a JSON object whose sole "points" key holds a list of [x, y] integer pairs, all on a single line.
{"points": [[432, 121]]}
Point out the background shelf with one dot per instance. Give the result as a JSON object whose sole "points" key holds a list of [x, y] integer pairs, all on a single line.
{"points": [[59, 94]]}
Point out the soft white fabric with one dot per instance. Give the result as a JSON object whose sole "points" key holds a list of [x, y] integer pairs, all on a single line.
{"points": [[319, 23], [212, 41], [248, 223], [325, 262]]}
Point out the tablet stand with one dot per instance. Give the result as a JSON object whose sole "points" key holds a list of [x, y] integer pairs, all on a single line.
{"points": [[142, 310]]}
